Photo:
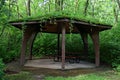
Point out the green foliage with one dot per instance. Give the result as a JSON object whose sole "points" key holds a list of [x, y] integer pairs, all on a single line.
{"points": [[41, 10], [46, 44], [74, 43], [10, 44], [118, 68], [2, 67], [110, 47]]}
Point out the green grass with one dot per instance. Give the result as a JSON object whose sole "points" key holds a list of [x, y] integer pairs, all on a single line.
{"points": [[80, 77], [63, 14], [20, 76], [108, 75]]}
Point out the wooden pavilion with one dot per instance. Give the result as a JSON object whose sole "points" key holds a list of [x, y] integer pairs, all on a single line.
{"points": [[60, 26]]}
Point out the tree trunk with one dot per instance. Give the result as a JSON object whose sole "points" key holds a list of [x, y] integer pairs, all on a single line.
{"points": [[118, 3], [28, 8], [116, 10], [58, 5], [86, 7], [115, 14]]}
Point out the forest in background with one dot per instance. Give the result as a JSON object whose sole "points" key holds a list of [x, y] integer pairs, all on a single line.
{"points": [[98, 11]]}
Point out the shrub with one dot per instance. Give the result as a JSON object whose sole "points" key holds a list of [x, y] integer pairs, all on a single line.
{"points": [[117, 68], [2, 67], [110, 47], [46, 44], [10, 44]]}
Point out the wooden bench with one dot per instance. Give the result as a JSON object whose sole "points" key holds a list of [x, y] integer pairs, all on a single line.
{"points": [[69, 57]]}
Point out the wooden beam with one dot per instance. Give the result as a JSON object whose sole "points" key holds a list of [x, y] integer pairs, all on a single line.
{"points": [[95, 39], [63, 47], [67, 20]]}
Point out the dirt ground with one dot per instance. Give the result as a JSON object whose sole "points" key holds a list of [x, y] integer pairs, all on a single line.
{"points": [[14, 67]]}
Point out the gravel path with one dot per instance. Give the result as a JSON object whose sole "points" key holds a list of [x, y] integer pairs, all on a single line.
{"points": [[39, 77]]}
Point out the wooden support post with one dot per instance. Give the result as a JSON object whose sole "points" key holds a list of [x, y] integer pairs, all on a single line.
{"points": [[63, 47], [32, 38], [23, 50], [95, 38], [58, 47], [84, 37], [26, 36], [29, 33]]}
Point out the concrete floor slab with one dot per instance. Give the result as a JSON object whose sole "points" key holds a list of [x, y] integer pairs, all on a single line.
{"points": [[50, 64]]}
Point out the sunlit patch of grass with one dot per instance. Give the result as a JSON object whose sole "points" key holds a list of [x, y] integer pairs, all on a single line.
{"points": [[80, 77], [111, 75], [20, 76], [107, 75]]}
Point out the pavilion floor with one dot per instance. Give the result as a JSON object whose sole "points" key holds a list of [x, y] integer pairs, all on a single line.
{"points": [[50, 64]]}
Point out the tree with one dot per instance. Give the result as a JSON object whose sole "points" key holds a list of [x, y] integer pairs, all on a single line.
{"points": [[59, 5], [2, 2], [86, 7], [28, 7], [118, 1]]}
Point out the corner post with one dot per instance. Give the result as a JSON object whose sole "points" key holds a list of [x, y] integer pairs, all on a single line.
{"points": [[26, 37], [63, 47], [58, 47], [84, 37], [95, 39], [32, 38]]}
